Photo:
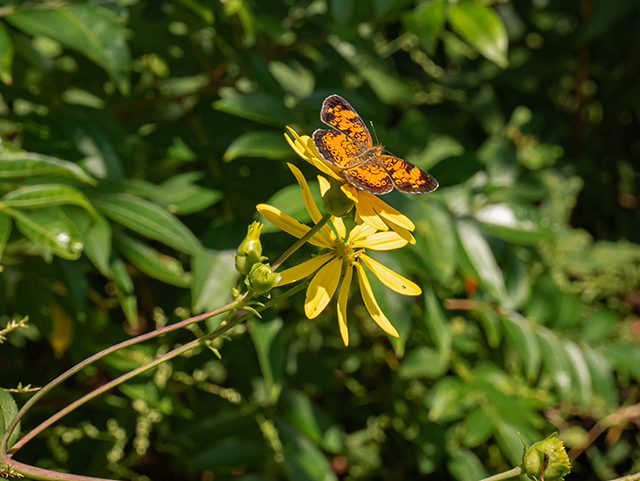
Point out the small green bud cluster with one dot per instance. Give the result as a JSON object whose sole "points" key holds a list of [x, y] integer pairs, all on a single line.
{"points": [[546, 460], [250, 249]]}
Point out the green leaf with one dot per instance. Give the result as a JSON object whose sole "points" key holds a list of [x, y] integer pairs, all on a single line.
{"points": [[258, 107], [213, 275], [481, 27], [29, 164], [263, 335], [515, 223], [465, 465], [289, 200], [426, 23], [8, 411], [423, 362], [181, 196], [478, 428], [5, 231], [580, 373], [126, 297], [86, 28], [555, 361], [448, 399], [267, 144], [523, 339], [6, 55], [148, 219], [482, 260], [151, 262], [50, 229], [436, 240], [438, 325], [97, 245], [602, 377], [46, 195]]}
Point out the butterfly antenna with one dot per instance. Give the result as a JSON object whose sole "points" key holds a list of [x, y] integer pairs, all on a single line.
{"points": [[374, 132]]}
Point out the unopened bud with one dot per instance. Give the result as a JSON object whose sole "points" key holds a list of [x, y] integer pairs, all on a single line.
{"points": [[250, 249], [262, 279], [547, 460], [336, 202]]}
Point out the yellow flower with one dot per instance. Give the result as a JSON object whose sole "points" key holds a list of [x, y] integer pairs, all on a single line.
{"points": [[341, 254], [370, 209]]}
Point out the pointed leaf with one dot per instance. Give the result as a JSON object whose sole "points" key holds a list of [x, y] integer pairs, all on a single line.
{"points": [[47, 195], [213, 274], [481, 27], [151, 262], [521, 336], [121, 278], [8, 411], [259, 107], [181, 196], [6, 56], [50, 229], [97, 245], [86, 28], [482, 259], [29, 164], [148, 219], [5, 230], [267, 144]]}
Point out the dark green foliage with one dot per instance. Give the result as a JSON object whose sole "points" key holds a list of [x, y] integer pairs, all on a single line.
{"points": [[138, 137]]}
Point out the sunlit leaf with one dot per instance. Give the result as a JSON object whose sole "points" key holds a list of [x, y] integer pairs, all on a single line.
{"points": [[6, 56], [28, 164]]}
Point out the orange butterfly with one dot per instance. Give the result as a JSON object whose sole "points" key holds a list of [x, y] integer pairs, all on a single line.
{"points": [[350, 147]]}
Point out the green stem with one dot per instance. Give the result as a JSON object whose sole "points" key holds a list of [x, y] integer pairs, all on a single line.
{"points": [[512, 473], [170, 355], [301, 241], [631, 477], [158, 332]]}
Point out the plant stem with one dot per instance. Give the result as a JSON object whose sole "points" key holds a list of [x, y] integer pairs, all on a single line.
{"points": [[301, 241], [170, 355], [512, 473], [631, 477], [101, 354]]}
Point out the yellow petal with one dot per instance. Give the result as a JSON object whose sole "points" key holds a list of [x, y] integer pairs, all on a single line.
{"points": [[325, 185], [350, 191], [291, 226], [305, 148], [381, 241], [388, 213], [389, 278], [301, 271], [309, 201], [359, 232], [367, 212], [401, 231], [343, 296], [340, 228], [322, 287], [371, 304]]}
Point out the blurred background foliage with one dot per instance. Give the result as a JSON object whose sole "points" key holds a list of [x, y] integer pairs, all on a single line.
{"points": [[137, 138]]}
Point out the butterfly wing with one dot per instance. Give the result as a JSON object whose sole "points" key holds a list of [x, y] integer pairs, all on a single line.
{"points": [[337, 113], [337, 147], [407, 177], [371, 177]]}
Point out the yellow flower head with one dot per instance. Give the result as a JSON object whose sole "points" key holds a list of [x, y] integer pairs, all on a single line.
{"points": [[369, 208], [343, 253]]}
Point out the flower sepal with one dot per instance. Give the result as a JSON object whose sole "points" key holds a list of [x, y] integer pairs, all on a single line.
{"points": [[262, 279], [336, 202], [546, 460], [250, 249]]}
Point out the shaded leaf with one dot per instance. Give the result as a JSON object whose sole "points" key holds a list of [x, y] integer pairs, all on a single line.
{"points": [[151, 262], [85, 28], [97, 244], [6, 56], [181, 196], [522, 337], [481, 27], [47, 195], [50, 229], [148, 219], [5, 231], [213, 274], [29, 164], [258, 107], [8, 411], [268, 144], [126, 297]]}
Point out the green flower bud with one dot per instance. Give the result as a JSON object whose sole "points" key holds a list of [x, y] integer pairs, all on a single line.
{"points": [[335, 202], [546, 459], [250, 249], [261, 278]]}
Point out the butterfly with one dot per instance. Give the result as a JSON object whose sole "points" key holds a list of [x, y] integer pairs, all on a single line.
{"points": [[349, 146]]}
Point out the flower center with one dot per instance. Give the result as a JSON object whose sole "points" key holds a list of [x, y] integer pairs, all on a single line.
{"points": [[344, 251]]}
